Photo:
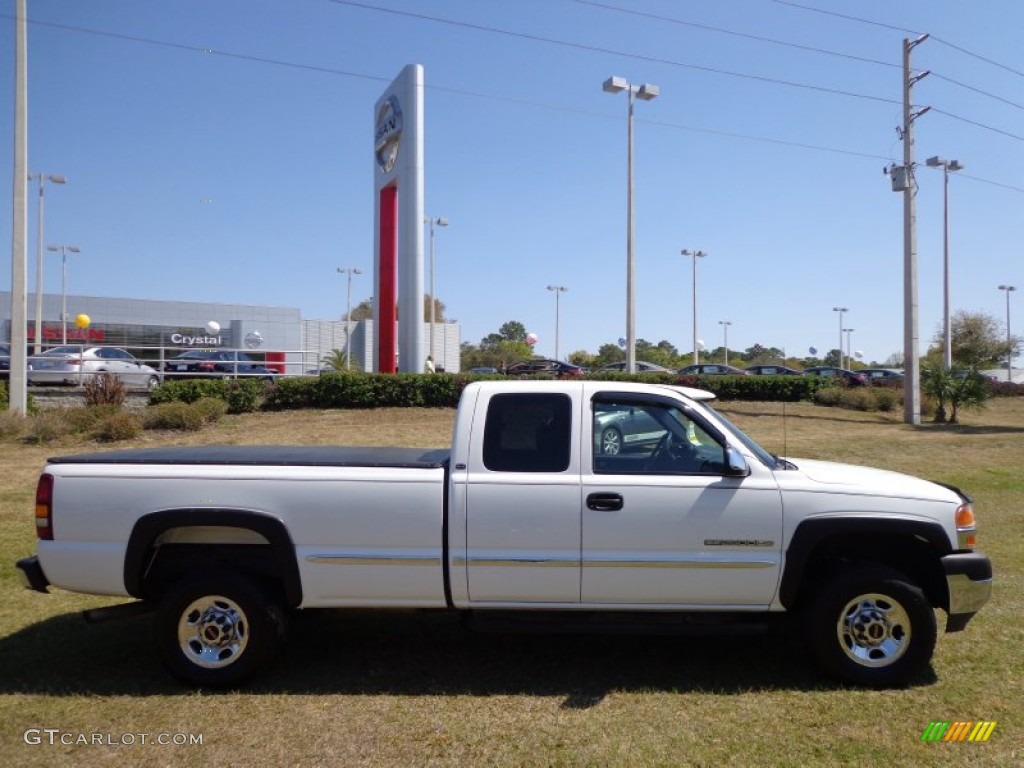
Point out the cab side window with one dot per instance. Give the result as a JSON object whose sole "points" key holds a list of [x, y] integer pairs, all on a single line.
{"points": [[528, 433], [652, 438]]}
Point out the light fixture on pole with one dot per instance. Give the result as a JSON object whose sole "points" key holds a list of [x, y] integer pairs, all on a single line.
{"points": [[840, 310], [947, 340], [646, 91], [725, 329], [849, 348], [56, 178], [559, 290], [1009, 337], [696, 255], [440, 221], [349, 271], [64, 249]]}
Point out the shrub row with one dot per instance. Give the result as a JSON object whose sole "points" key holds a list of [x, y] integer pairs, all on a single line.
{"points": [[788, 388], [363, 390], [241, 395], [109, 422]]}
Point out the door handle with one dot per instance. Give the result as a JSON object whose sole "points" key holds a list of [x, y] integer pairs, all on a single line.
{"points": [[605, 502]]}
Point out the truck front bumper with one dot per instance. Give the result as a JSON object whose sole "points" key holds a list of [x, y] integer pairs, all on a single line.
{"points": [[32, 576], [969, 581]]}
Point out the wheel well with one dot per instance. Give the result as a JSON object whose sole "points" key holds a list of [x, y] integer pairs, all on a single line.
{"points": [[172, 544], [910, 555], [172, 562]]}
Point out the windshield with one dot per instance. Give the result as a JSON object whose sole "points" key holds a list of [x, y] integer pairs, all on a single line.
{"points": [[765, 457]]}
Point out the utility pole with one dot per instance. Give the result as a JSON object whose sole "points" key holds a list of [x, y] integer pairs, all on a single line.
{"points": [[18, 384], [911, 364]]}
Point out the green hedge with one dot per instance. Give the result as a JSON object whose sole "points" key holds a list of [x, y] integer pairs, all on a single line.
{"points": [[442, 390], [789, 388], [241, 395], [367, 390]]}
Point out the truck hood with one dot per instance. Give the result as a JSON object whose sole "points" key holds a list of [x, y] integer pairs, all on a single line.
{"points": [[851, 478]]}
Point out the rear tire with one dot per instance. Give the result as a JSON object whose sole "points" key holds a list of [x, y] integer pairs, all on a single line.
{"points": [[870, 626], [217, 630]]}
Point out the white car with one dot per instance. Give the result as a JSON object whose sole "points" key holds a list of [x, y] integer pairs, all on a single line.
{"points": [[74, 365]]}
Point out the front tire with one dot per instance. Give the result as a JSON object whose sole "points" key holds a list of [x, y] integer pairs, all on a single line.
{"points": [[217, 631], [870, 626]]}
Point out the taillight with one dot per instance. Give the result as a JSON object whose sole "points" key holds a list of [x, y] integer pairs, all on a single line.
{"points": [[966, 527], [44, 507]]}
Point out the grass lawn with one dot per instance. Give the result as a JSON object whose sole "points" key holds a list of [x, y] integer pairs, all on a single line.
{"points": [[411, 690]]}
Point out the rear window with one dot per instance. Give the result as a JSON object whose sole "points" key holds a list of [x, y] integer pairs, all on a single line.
{"points": [[528, 433]]}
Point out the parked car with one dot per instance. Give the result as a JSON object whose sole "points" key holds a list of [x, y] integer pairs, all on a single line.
{"points": [[618, 428], [217, 363], [882, 374], [773, 370], [711, 369], [73, 364], [5, 360], [483, 369], [542, 367], [641, 367], [853, 378]]}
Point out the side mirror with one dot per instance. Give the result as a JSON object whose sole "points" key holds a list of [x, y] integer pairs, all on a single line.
{"points": [[736, 465]]}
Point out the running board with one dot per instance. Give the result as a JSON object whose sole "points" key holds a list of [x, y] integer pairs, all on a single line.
{"points": [[622, 622]]}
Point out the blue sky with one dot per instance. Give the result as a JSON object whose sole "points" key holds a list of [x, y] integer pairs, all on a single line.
{"points": [[526, 157]]}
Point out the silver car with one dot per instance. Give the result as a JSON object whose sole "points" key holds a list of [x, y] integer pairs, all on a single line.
{"points": [[74, 365]]}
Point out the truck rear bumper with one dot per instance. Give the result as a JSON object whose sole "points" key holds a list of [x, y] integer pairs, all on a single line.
{"points": [[32, 576], [969, 580]]}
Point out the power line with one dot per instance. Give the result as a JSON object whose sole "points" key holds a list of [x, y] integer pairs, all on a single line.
{"points": [[976, 124], [613, 52], [976, 90], [734, 33], [440, 88], [989, 181], [806, 48], [937, 39], [562, 108]]}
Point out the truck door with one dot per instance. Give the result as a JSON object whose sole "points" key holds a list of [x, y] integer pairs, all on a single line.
{"points": [[523, 501], [663, 522]]}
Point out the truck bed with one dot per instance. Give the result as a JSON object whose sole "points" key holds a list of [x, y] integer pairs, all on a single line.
{"points": [[270, 455]]}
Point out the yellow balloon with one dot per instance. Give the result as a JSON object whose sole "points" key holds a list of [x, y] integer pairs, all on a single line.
{"points": [[82, 321]]}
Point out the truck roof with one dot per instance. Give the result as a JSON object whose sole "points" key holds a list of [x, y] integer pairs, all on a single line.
{"points": [[553, 385]]}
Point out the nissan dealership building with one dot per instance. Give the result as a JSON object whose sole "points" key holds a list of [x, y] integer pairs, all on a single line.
{"points": [[157, 330]]}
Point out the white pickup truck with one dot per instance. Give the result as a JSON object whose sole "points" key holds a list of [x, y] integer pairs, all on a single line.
{"points": [[560, 504]]}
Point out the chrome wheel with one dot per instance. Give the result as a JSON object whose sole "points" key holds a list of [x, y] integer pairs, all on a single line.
{"points": [[213, 632], [874, 630], [611, 442]]}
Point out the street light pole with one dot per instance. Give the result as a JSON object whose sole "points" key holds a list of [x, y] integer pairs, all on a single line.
{"points": [[559, 290], [64, 286], [1009, 337], [840, 310], [947, 339], [646, 92], [441, 222], [56, 178], [696, 255], [725, 328], [849, 348], [349, 271]]}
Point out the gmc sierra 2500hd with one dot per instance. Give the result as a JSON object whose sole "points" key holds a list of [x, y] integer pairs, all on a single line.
{"points": [[558, 500]]}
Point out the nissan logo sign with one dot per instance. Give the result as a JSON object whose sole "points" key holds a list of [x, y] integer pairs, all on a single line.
{"points": [[388, 134]]}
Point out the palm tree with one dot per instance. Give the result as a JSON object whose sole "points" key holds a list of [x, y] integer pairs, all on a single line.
{"points": [[335, 360]]}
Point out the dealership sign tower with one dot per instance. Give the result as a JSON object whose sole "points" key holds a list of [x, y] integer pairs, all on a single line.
{"points": [[398, 223]]}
